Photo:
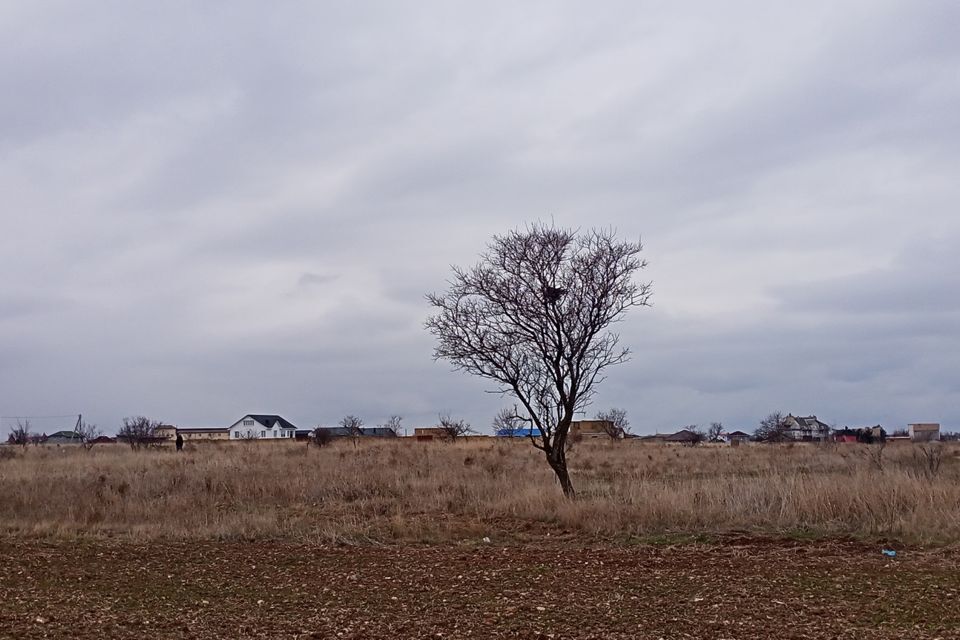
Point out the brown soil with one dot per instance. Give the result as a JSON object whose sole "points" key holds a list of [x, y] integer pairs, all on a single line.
{"points": [[737, 588]]}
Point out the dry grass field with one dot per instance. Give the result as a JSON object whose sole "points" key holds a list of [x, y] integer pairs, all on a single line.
{"points": [[383, 491], [389, 540]]}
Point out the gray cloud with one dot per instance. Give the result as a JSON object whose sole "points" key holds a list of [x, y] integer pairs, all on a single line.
{"points": [[212, 211]]}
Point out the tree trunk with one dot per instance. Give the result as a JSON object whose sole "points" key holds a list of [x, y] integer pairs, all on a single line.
{"points": [[559, 467]]}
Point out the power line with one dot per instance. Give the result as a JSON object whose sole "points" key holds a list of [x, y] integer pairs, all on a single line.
{"points": [[70, 415]]}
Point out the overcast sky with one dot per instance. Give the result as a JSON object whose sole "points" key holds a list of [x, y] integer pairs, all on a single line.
{"points": [[211, 209]]}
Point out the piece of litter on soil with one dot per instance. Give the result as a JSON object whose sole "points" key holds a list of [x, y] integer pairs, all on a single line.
{"points": [[486, 539], [890, 553]]}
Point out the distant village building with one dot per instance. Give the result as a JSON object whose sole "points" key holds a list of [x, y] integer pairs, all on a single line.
{"points": [[806, 429], [865, 435], [684, 436], [924, 431], [63, 437], [249, 427], [378, 432], [261, 427], [735, 437], [166, 431], [518, 432], [203, 433], [365, 432], [430, 433], [590, 429]]}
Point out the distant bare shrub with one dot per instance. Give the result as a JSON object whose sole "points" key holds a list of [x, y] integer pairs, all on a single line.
{"points": [[714, 431], [697, 435], [320, 436], [773, 428], [88, 432], [138, 431], [927, 458], [453, 428], [353, 427], [615, 423], [20, 433], [394, 424]]}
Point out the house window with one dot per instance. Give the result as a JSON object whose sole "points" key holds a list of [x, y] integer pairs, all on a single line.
{"points": [[274, 433], [248, 423], [263, 434]]}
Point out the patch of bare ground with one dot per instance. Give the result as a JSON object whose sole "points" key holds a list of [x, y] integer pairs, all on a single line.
{"points": [[731, 588]]}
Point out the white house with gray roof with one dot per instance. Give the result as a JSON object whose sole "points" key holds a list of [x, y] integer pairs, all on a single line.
{"points": [[261, 426]]}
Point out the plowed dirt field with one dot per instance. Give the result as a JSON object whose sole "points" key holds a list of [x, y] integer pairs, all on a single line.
{"points": [[736, 588]]}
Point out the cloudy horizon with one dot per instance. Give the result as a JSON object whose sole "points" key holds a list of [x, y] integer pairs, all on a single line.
{"points": [[217, 210]]}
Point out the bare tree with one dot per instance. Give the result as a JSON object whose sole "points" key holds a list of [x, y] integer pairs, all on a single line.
{"points": [[772, 428], [453, 428], [138, 431], [533, 317], [697, 435], [615, 423], [353, 426], [509, 421], [714, 431], [20, 433], [88, 432], [393, 423]]}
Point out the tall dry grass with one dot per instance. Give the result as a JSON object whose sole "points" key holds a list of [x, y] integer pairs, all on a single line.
{"points": [[403, 490]]}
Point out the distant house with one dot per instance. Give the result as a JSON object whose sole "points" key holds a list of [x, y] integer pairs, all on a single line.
{"points": [[343, 432], [334, 432], [378, 432], [684, 436], [430, 433], [166, 431], [63, 437], [845, 435], [806, 429], [736, 437], [590, 429], [203, 433], [260, 427], [865, 435], [518, 432], [924, 431], [103, 440]]}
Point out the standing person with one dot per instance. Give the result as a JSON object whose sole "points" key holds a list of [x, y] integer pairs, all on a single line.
{"points": [[179, 442]]}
